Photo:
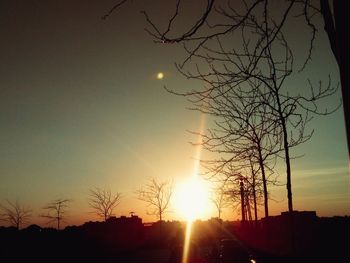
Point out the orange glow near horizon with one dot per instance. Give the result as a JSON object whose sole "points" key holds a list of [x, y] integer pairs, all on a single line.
{"points": [[192, 198]]}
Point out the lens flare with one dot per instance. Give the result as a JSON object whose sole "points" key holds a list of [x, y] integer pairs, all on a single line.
{"points": [[187, 242], [193, 197], [160, 75]]}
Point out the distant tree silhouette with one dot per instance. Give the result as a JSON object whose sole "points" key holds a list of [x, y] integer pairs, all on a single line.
{"points": [[255, 184], [103, 202], [231, 178], [157, 195], [220, 199], [14, 214], [56, 210]]}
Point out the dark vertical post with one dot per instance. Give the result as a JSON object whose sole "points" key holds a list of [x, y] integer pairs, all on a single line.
{"points": [[343, 54], [242, 198]]}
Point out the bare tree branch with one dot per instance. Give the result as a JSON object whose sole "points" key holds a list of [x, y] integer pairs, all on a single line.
{"points": [[157, 195], [14, 214], [55, 211], [103, 202]]}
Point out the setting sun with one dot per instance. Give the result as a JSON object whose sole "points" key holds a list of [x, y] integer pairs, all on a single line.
{"points": [[192, 199]]}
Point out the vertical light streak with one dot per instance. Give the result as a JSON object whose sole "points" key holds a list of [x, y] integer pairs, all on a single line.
{"points": [[187, 241], [189, 223], [202, 124]]}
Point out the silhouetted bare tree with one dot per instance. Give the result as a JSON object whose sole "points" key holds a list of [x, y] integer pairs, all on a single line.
{"points": [[230, 179], [220, 199], [15, 214], [103, 202], [157, 195], [243, 132], [232, 185], [56, 210], [255, 186], [264, 56], [257, 71], [224, 18]]}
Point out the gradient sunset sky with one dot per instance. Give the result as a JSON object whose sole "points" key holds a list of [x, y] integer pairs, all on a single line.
{"points": [[81, 107]]}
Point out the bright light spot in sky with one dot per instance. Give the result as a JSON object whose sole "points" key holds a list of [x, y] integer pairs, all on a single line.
{"points": [[192, 199], [160, 75]]}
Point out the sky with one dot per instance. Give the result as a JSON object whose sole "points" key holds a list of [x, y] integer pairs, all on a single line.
{"points": [[81, 107]]}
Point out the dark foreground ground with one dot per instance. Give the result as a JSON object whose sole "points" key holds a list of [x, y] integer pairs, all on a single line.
{"points": [[305, 238]]}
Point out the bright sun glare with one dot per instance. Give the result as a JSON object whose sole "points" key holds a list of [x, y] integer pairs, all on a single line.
{"points": [[192, 199], [160, 75]]}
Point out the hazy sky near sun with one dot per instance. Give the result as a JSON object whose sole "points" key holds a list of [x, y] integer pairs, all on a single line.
{"points": [[81, 106]]}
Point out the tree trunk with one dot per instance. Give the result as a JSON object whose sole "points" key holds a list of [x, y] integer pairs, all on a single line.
{"points": [[337, 32], [288, 170], [254, 201], [248, 209], [254, 195], [286, 152], [58, 220], [261, 163], [343, 53], [160, 224]]}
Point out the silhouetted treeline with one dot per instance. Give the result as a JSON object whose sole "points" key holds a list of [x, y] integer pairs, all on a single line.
{"points": [[297, 237]]}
